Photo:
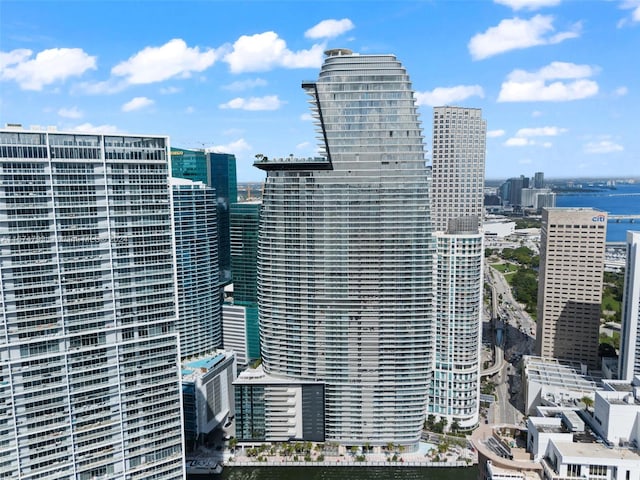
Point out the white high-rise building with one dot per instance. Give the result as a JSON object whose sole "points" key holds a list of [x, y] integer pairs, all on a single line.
{"points": [[630, 334], [459, 150], [345, 258], [89, 381], [196, 232], [458, 196], [455, 392]]}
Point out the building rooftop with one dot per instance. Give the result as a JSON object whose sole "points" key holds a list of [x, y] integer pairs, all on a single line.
{"points": [[195, 367], [596, 450], [550, 371]]}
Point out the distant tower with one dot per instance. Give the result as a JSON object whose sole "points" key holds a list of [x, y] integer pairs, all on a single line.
{"points": [[572, 247], [630, 335], [538, 180], [222, 175], [217, 170], [196, 230], [345, 259], [245, 222], [89, 379], [459, 138], [458, 197]]}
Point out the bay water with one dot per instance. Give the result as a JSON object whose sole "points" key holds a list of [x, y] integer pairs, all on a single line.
{"points": [[623, 200]]}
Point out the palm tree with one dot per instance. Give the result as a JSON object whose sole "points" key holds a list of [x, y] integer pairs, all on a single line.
{"points": [[588, 402]]}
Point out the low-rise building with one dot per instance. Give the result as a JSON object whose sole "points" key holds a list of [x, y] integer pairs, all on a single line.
{"points": [[207, 393], [553, 383], [277, 409]]}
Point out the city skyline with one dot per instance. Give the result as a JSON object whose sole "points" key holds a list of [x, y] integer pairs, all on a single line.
{"points": [[554, 79]]}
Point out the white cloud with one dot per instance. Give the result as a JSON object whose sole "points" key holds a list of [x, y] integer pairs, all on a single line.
{"points": [[136, 104], [603, 146], [448, 95], [269, 102], [516, 33], [528, 4], [47, 67], [329, 28], [189, 110], [523, 136], [245, 84], [634, 6], [536, 113], [525, 161], [306, 117], [522, 86], [173, 59], [621, 91], [303, 145], [540, 132], [236, 147], [89, 128], [100, 88], [518, 142], [265, 51], [170, 90], [72, 112], [495, 133]]}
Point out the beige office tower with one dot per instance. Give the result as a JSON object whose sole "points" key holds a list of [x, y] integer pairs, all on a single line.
{"points": [[572, 248], [459, 137]]}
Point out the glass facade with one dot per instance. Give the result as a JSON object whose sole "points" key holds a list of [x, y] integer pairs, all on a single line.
{"points": [[196, 228], [245, 219], [89, 384], [218, 171], [345, 256]]}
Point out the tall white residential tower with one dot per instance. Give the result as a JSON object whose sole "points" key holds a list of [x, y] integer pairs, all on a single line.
{"points": [[630, 335], [458, 194], [196, 232], [345, 256], [89, 384]]}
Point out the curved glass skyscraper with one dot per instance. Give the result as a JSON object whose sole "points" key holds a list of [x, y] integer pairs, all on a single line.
{"points": [[345, 256]]}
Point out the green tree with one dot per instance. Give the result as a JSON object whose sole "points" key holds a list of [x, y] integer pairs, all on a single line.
{"points": [[588, 402], [455, 426]]}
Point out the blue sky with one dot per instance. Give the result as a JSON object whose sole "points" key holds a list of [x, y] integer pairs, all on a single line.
{"points": [[558, 81]]}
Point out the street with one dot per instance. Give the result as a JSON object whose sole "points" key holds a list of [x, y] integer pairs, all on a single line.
{"points": [[518, 340]]}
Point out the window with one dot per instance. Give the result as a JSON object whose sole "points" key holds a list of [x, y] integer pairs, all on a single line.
{"points": [[573, 470]]}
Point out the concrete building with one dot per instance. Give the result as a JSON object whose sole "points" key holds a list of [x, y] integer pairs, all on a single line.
{"points": [[572, 250], [276, 409], [538, 180], [549, 382], [345, 256], [499, 227], [234, 330], [90, 385], [455, 390], [537, 198], [207, 391], [630, 335], [597, 445], [459, 150], [196, 232], [458, 209]]}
